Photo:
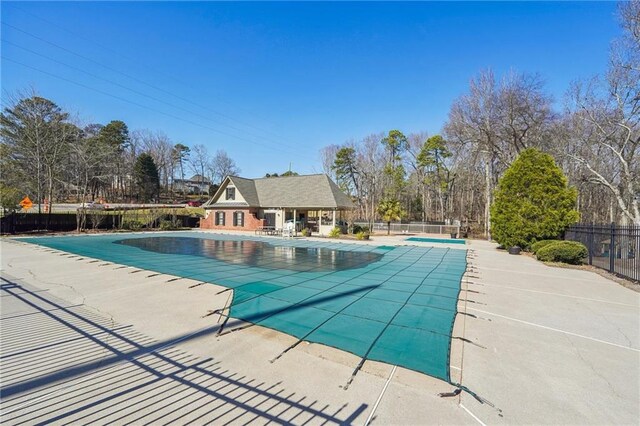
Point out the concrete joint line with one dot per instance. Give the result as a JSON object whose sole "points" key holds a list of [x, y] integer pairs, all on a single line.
{"points": [[472, 415], [562, 295], [384, 389], [557, 330]]}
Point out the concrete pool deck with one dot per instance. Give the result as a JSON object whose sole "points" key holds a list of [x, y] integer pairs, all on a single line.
{"points": [[548, 345]]}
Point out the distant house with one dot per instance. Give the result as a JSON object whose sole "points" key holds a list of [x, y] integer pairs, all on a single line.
{"points": [[198, 184], [312, 201]]}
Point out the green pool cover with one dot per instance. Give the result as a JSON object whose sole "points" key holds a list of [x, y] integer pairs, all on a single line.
{"points": [[395, 305]]}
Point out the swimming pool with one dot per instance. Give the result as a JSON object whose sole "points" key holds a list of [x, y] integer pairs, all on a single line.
{"points": [[436, 240], [395, 305]]}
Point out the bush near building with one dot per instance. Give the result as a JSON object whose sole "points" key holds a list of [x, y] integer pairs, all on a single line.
{"points": [[563, 251], [533, 201], [539, 244]]}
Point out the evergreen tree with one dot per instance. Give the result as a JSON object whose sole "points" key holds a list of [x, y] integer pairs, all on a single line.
{"points": [[395, 144], [146, 177], [346, 169], [533, 201]]}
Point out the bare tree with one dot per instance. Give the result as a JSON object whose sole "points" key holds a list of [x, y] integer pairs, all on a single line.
{"points": [[497, 121], [199, 161], [604, 119], [159, 146], [37, 133], [87, 154], [327, 157], [222, 166], [473, 125], [417, 172]]}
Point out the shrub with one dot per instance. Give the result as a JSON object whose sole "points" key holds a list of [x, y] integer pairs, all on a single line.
{"points": [[306, 232], [362, 235], [357, 229], [335, 232], [563, 251], [532, 202], [132, 225], [167, 225], [539, 244]]}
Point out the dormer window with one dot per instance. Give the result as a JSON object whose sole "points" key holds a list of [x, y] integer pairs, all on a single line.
{"points": [[231, 193]]}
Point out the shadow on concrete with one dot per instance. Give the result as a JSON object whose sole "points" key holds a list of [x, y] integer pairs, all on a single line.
{"points": [[68, 364]]}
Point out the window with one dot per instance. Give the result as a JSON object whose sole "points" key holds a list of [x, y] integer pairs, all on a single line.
{"points": [[220, 218], [231, 193], [238, 219]]}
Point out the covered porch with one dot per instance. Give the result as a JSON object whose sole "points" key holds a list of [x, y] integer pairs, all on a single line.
{"points": [[317, 220]]}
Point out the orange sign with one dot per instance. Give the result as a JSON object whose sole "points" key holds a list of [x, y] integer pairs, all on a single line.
{"points": [[26, 203]]}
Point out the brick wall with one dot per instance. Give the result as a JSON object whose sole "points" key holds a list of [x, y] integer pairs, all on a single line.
{"points": [[251, 221]]}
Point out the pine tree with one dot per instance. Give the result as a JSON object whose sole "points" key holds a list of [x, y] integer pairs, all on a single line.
{"points": [[146, 177], [532, 202]]}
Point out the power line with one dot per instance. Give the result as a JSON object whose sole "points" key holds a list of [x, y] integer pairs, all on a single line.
{"points": [[135, 103], [153, 70], [131, 77], [132, 90]]}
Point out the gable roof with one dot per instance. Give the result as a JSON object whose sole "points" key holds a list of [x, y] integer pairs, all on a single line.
{"points": [[247, 188], [308, 191]]}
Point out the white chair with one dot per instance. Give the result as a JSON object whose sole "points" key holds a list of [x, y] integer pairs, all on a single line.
{"points": [[288, 230]]}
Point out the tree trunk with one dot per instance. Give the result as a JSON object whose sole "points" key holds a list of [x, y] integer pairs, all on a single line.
{"points": [[487, 206]]}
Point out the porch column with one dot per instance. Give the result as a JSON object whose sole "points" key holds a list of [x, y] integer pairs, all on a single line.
{"points": [[295, 219], [334, 218]]}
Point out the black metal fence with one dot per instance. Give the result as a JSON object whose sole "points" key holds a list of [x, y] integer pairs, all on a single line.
{"points": [[615, 248], [16, 223]]}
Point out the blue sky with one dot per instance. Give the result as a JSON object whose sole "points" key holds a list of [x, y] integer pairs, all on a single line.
{"points": [[272, 83]]}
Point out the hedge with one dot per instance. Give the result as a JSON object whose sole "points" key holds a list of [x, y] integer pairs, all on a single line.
{"points": [[563, 251], [538, 245]]}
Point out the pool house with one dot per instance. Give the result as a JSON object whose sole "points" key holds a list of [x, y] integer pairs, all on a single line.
{"points": [[267, 204]]}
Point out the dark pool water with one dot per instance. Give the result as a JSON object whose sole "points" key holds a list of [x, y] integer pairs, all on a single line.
{"points": [[256, 253]]}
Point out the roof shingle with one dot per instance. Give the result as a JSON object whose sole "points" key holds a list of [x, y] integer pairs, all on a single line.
{"points": [[308, 191]]}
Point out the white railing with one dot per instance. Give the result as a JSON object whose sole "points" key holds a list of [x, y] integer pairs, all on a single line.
{"points": [[412, 228]]}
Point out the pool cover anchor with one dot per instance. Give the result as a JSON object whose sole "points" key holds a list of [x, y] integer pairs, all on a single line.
{"points": [[472, 301], [472, 315], [221, 312], [464, 339], [458, 390], [355, 372], [285, 351]]}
